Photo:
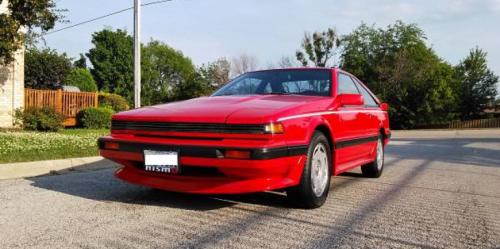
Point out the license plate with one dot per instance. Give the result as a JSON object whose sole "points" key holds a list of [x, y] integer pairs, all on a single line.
{"points": [[161, 161]]}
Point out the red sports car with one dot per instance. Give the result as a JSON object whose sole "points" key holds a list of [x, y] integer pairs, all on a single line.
{"points": [[286, 129]]}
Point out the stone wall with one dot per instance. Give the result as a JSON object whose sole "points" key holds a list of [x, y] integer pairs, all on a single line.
{"points": [[11, 84], [3, 6]]}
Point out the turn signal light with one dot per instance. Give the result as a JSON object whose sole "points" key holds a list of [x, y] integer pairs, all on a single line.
{"points": [[111, 145], [274, 128], [237, 154]]}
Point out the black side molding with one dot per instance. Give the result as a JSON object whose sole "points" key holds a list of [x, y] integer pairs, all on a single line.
{"points": [[270, 153], [356, 141]]}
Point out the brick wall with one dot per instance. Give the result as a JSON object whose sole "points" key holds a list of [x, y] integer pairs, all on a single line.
{"points": [[11, 84]]}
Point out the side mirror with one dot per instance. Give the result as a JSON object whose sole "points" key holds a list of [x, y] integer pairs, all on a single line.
{"points": [[350, 99], [384, 106]]}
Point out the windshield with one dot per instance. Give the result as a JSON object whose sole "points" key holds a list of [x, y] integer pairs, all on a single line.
{"points": [[315, 82]]}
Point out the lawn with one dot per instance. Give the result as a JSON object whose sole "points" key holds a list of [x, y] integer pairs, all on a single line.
{"points": [[22, 146]]}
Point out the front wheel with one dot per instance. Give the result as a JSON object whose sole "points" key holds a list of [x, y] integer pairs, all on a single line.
{"points": [[375, 168], [315, 181]]}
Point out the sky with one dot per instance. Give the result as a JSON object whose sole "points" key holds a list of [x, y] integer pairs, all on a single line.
{"points": [[205, 30]]}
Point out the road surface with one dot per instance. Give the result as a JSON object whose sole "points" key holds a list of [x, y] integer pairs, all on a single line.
{"points": [[440, 189]]}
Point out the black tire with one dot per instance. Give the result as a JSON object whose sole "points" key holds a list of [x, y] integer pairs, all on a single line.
{"points": [[303, 194], [375, 168]]}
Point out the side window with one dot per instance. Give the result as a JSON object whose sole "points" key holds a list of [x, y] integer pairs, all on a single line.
{"points": [[369, 101], [346, 85]]}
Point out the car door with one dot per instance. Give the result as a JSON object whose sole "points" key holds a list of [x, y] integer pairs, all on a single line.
{"points": [[350, 144], [371, 108]]}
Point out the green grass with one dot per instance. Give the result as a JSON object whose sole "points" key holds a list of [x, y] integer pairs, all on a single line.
{"points": [[23, 146]]}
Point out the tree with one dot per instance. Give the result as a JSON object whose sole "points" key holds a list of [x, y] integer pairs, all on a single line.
{"points": [[286, 62], [318, 48], [194, 86], [216, 73], [45, 69], [112, 62], [28, 14], [164, 71], [242, 64], [81, 78], [477, 84], [81, 62], [398, 66]]}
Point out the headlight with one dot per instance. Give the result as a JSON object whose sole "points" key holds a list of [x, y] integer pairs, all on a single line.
{"points": [[274, 128]]}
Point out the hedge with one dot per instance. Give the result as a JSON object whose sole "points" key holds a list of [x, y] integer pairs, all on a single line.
{"points": [[95, 117], [39, 119], [113, 101]]}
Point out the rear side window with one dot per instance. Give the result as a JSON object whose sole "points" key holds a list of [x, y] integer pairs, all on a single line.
{"points": [[369, 100], [346, 85]]}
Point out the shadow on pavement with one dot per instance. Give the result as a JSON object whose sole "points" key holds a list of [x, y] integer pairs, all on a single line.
{"points": [[352, 174], [95, 182], [466, 151], [101, 185]]}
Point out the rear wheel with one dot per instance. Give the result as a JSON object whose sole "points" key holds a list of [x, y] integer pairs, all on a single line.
{"points": [[375, 168], [315, 181]]}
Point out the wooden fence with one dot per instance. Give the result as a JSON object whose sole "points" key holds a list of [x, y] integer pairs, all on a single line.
{"points": [[478, 123], [66, 103]]}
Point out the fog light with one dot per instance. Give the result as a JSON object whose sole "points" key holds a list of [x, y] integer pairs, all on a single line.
{"points": [[274, 128], [111, 145], [237, 154]]}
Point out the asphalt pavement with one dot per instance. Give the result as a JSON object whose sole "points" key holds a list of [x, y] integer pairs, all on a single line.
{"points": [[439, 189]]}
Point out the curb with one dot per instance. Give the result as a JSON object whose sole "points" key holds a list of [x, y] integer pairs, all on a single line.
{"points": [[436, 133], [60, 166]]}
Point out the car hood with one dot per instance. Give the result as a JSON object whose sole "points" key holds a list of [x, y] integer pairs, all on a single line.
{"points": [[224, 109]]}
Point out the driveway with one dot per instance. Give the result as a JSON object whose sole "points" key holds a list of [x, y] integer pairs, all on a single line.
{"points": [[440, 189]]}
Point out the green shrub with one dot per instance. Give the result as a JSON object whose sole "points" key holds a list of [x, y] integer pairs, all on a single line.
{"points": [[81, 78], [39, 119], [113, 101], [95, 117]]}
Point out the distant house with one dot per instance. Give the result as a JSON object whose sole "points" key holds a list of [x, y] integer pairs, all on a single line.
{"points": [[11, 84]]}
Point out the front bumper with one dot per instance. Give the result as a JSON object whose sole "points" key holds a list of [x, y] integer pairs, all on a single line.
{"points": [[202, 171]]}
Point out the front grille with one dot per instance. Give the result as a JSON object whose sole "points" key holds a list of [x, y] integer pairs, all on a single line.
{"points": [[187, 127]]}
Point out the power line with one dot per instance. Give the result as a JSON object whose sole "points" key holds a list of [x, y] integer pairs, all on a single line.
{"points": [[104, 16]]}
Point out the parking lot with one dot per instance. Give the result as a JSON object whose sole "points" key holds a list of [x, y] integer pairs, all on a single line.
{"points": [[440, 189]]}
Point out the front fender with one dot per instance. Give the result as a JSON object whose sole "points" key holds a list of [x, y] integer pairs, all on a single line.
{"points": [[299, 131]]}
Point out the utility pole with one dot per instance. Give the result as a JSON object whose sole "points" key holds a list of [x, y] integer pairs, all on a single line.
{"points": [[137, 53]]}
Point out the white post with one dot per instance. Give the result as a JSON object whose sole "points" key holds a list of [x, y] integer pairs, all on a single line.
{"points": [[137, 53]]}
